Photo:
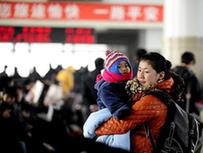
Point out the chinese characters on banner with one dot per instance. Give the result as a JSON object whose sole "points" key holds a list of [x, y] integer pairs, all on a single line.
{"points": [[81, 11]]}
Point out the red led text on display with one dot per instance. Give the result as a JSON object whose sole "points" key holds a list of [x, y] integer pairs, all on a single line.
{"points": [[46, 34]]}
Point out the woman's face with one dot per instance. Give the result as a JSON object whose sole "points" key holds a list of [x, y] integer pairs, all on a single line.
{"points": [[146, 75]]}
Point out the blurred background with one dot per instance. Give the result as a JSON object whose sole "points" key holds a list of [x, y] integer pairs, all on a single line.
{"points": [[62, 31]]}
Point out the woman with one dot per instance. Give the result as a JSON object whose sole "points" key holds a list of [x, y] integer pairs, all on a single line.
{"points": [[153, 72]]}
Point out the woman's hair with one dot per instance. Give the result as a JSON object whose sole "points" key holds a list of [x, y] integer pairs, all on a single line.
{"points": [[158, 62]]}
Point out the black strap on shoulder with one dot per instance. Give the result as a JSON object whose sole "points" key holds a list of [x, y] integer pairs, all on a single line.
{"points": [[149, 135], [166, 99], [162, 95]]}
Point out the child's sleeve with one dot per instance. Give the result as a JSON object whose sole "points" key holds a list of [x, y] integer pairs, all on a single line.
{"points": [[93, 122], [114, 102]]}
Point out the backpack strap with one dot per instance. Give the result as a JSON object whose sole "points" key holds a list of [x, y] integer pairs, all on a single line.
{"points": [[188, 96], [149, 135], [162, 95], [166, 99]]}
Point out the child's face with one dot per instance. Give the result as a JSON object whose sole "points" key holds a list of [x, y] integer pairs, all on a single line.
{"points": [[123, 67]]}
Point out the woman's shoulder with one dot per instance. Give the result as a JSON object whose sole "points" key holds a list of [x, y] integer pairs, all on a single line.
{"points": [[151, 100]]}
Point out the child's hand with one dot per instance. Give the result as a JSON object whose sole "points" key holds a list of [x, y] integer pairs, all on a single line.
{"points": [[93, 108]]}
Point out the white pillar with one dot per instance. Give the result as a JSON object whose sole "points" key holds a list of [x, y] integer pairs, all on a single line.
{"points": [[183, 30]]}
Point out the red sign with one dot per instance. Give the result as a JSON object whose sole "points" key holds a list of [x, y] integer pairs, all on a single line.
{"points": [[46, 34], [81, 11]]}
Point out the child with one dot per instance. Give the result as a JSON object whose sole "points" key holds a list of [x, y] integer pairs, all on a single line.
{"points": [[112, 99]]}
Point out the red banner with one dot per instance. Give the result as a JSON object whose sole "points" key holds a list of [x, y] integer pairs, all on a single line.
{"points": [[81, 11]]}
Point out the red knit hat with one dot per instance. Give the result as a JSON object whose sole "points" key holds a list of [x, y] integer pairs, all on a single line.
{"points": [[113, 56], [111, 72]]}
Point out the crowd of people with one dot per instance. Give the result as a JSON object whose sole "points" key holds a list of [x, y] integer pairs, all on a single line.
{"points": [[68, 109]]}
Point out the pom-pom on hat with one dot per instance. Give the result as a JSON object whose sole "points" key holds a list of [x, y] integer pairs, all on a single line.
{"points": [[114, 56]]}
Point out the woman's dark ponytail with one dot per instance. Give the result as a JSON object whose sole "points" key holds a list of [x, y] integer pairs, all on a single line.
{"points": [[168, 68]]}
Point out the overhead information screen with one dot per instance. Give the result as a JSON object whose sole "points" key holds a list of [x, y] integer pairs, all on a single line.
{"points": [[46, 34]]}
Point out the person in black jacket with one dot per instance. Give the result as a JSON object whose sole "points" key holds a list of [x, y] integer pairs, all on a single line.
{"points": [[89, 93], [192, 92], [13, 128]]}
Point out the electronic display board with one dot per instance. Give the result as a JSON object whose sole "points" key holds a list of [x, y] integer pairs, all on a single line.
{"points": [[46, 34]]}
